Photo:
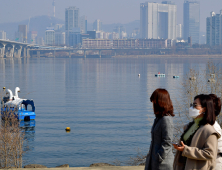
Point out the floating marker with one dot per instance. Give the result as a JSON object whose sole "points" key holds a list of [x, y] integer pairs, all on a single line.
{"points": [[68, 129]]}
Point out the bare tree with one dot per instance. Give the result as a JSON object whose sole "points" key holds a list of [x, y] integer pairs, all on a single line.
{"points": [[11, 140]]}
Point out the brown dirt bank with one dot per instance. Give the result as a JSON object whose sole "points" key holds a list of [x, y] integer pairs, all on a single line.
{"points": [[91, 168]]}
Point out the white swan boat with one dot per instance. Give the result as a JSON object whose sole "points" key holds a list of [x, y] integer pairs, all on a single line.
{"points": [[22, 109]]}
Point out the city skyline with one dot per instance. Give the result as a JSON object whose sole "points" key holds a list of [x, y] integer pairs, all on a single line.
{"points": [[109, 12]]}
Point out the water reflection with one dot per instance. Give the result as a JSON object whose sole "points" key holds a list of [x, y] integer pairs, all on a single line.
{"points": [[28, 127]]}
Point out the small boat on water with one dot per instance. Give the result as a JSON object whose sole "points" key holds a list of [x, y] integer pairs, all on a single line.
{"points": [[160, 75], [22, 109], [176, 77]]}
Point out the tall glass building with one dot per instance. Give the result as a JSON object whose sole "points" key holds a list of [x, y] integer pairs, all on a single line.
{"points": [[191, 20], [214, 29], [158, 21], [71, 21]]}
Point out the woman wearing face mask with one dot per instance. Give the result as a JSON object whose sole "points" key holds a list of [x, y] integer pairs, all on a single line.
{"points": [[198, 148], [160, 156], [217, 109]]}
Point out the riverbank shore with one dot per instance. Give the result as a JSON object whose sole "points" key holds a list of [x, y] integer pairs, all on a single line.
{"points": [[90, 168], [167, 56]]}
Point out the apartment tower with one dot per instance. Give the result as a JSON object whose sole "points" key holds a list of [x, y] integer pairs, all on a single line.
{"points": [[71, 21], [191, 20], [214, 29], [158, 21]]}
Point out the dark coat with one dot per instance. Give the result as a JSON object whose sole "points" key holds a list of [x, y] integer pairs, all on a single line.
{"points": [[160, 156]]}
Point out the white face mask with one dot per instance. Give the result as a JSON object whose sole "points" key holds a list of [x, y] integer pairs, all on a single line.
{"points": [[194, 112]]}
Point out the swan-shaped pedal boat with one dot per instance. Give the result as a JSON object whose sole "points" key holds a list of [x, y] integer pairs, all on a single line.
{"points": [[22, 109]]}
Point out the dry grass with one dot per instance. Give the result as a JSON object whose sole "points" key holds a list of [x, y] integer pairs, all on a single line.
{"points": [[11, 142]]}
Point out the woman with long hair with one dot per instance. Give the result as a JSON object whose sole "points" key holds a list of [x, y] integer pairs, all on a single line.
{"points": [[198, 147], [160, 156], [217, 109]]}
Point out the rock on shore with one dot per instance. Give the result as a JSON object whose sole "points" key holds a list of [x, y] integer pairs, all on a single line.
{"points": [[35, 166], [63, 166], [100, 165]]}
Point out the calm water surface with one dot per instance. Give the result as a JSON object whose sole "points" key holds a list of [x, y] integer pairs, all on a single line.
{"points": [[103, 100]]}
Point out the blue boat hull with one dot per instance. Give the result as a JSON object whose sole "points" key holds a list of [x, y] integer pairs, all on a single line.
{"points": [[20, 114], [26, 115]]}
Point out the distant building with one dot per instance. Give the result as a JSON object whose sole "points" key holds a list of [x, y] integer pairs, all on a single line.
{"points": [[106, 35], [59, 38], [99, 35], [214, 29], [58, 27], [40, 41], [3, 35], [50, 36], [152, 43], [123, 35], [75, 38], [135, 33], [96, 43], [19, 37], [191, 20], [157, 20], [83, 24], [142, 43], [97, 25], [32, 37], [190, 41], [119, 29], [179, 31], [114, 36], [71, 21], [89, 35], [129, 43], [22, 31]]}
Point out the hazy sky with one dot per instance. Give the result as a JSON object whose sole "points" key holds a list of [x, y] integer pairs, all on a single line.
{"points": [[109, 11]]}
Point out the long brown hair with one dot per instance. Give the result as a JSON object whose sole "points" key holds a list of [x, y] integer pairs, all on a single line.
{"points": [[162, 103]]}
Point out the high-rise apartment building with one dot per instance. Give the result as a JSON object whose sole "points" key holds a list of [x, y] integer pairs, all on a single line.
{"points": [[50, 36], [214, 29], [97, 25], [191, 20], [157, 20], [179, 31], [71, 21], [59, 38], [83, 24], [3, 35], [23, 31]]}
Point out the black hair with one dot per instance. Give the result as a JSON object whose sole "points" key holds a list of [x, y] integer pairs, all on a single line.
{"points": [[207, 102], [217, 103]]}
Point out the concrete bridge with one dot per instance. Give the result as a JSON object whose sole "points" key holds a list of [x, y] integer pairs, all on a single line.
{"points": [[10, 49]]}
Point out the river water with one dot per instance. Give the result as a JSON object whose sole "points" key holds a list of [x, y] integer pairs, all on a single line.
{"points": [[103, 100]]}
